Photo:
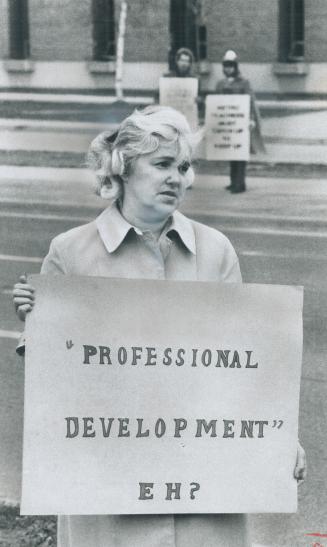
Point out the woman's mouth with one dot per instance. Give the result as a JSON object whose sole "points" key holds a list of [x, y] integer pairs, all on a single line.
{"points": [[169, 193]]}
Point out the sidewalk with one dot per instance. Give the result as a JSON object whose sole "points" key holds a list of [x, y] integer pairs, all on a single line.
{"points": [[55, 97], [295, 132], [70, 98], [295, 135]]}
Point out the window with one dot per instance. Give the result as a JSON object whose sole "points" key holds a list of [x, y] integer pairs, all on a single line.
{"points": [[291, 25], [186, 29], [19, 47], [104, 46], [202, 42]]}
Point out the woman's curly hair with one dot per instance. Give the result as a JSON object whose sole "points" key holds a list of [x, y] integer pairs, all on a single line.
{"points": [[111, 154]]}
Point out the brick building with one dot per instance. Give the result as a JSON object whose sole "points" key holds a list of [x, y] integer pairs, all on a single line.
{"points": [[71, 44]]}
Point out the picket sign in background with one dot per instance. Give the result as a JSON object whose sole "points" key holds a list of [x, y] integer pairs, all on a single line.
{"points": [[227, 127], [181, 93]]}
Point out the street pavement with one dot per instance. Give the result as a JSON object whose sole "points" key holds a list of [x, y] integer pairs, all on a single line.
{"points": [[279, 230]]}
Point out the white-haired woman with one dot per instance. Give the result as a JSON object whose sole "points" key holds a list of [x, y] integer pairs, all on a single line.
{"points": [[144, 169]]}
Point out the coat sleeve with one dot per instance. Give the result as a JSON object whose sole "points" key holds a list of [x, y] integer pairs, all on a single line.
{"points": [[220, 87], [229, 267], [233, 275], [54, 262], [247, 90], [257, 142], [231, 272]]}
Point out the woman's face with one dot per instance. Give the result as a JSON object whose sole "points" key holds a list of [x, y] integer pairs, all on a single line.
{"points": [[229, 70], [184, 63], [157, 182]]}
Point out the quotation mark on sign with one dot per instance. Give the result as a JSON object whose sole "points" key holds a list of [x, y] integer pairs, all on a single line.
{"points": [[279, 422], [69, 344]]}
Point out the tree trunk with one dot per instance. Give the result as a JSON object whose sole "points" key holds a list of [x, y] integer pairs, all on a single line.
{"points": [[120, 50]]}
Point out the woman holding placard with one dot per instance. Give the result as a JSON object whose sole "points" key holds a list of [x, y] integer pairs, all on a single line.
{"points": [[235, 84], [144, 169], [184, 63]]}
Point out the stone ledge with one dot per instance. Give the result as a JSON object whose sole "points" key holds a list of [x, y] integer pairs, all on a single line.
{"points": [[102, 67], [291, 69], [19, 65]]}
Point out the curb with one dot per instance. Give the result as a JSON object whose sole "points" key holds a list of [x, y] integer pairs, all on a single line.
{"points": [[44, 95], [75, 98], [264, 168]]}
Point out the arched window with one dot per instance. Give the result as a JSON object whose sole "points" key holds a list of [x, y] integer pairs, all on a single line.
{"points": [[291, 30], [104, 45], [19, 46], [186, 29]]}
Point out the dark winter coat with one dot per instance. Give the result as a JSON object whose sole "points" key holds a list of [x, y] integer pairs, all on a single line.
{"points": [[241, 86]]}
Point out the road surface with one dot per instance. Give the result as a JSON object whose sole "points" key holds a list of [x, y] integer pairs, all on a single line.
{"points": [[279, 230]]}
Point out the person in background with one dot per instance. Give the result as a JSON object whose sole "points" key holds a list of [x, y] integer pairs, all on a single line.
{"points": [[235, 84], [184, 64], [184, 68]]}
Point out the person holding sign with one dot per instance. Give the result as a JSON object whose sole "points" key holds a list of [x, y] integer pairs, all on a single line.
{"points": [[184, 62], [143, 169], [180, 87], [235, 84]]}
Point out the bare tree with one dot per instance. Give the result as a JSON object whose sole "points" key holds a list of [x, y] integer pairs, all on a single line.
{"points": [[120, 50], [196, 7]]}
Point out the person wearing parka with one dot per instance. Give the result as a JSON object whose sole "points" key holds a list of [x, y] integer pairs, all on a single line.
{"points": [[235, 84]]}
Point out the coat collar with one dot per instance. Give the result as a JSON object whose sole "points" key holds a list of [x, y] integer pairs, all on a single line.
{"points": [[183, 227], [113, 229]]}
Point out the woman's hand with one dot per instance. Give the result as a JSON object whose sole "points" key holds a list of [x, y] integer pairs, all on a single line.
{"points": [[23, 297], [300, 471]]}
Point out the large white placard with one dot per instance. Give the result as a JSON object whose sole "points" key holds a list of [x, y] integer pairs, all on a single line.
{"points": [[161, 397], [227, 127]]}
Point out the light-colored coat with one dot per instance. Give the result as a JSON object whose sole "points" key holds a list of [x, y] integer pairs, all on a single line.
{"points": [[186, 250]]}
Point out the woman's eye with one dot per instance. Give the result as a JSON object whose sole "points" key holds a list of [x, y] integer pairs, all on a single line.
{"points": [[184, 167], [163, 164]]}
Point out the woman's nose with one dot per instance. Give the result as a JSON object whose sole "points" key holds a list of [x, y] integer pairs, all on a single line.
{"points": [[174, 177]]}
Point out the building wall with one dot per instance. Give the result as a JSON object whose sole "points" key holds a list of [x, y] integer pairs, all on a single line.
{"points": [[60, 30], [61, 45], [147, 31], [248, 26], [315, 30]]}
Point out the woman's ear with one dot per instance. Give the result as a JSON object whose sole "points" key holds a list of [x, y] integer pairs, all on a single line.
{"points": [[189, 177], [106, 191]]}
